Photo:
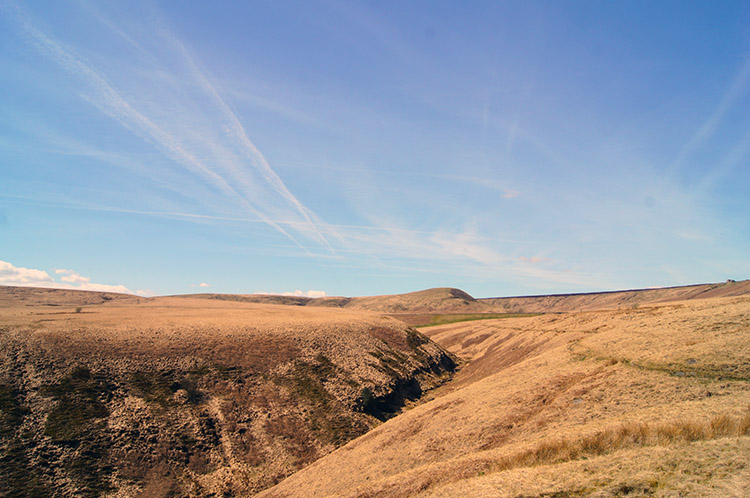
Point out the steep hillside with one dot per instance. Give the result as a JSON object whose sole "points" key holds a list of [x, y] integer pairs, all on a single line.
{"points": [[646, 401], [191, 397]]}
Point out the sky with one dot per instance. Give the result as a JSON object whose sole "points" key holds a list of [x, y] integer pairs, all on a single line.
{"points": [[373, 147]]}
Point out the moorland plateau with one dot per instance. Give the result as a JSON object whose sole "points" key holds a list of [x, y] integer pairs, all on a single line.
{"points": [[638, 393]]}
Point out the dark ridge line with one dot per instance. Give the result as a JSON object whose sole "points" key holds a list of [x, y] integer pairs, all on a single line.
{"points": [[593, 293], [307, 300]]}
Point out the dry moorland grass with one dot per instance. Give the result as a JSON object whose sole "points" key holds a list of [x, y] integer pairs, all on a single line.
{"points": [[704, 468], [190, 397], [545, 397], [439, 299], [616, 299]]}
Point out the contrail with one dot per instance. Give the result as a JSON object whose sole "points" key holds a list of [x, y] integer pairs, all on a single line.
{"points": [[238, 131], [738, 86], [113, 104]]}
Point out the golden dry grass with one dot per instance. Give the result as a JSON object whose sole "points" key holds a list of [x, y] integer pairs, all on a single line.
{"points": [[543, 395], [627, 435], [644, 400], [704, 468]]}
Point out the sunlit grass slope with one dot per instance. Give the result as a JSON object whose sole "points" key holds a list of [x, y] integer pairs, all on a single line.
{"points": [[653, 400]]}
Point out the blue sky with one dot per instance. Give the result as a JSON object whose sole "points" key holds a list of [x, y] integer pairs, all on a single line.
{"points": [[360, 148]]}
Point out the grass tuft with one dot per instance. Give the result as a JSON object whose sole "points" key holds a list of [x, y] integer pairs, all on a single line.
{"points": [[628, 435]]}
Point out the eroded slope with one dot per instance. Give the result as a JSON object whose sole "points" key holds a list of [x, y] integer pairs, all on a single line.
{"points": [[192, 397]]}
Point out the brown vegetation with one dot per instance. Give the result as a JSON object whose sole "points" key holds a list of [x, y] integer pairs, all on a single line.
{"points": [[202, 396], [191, 397], [556, 303], [652, 400], [424, 307]]}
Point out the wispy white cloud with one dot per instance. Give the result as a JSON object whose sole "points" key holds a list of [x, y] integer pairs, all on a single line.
{"points": [[506, 192], [237, 131], [467, 253], [102, 288], [297, 293], [739, 85], [193, 125], [69, 279], [534, 259], [72, 277], [467, 245], [28, 277], [733, 158]]}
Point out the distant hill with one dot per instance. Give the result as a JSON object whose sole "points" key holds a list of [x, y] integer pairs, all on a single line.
{"points": [[426, 301], [39, 296], [430, 300], [450, 300], [252, 298]]}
